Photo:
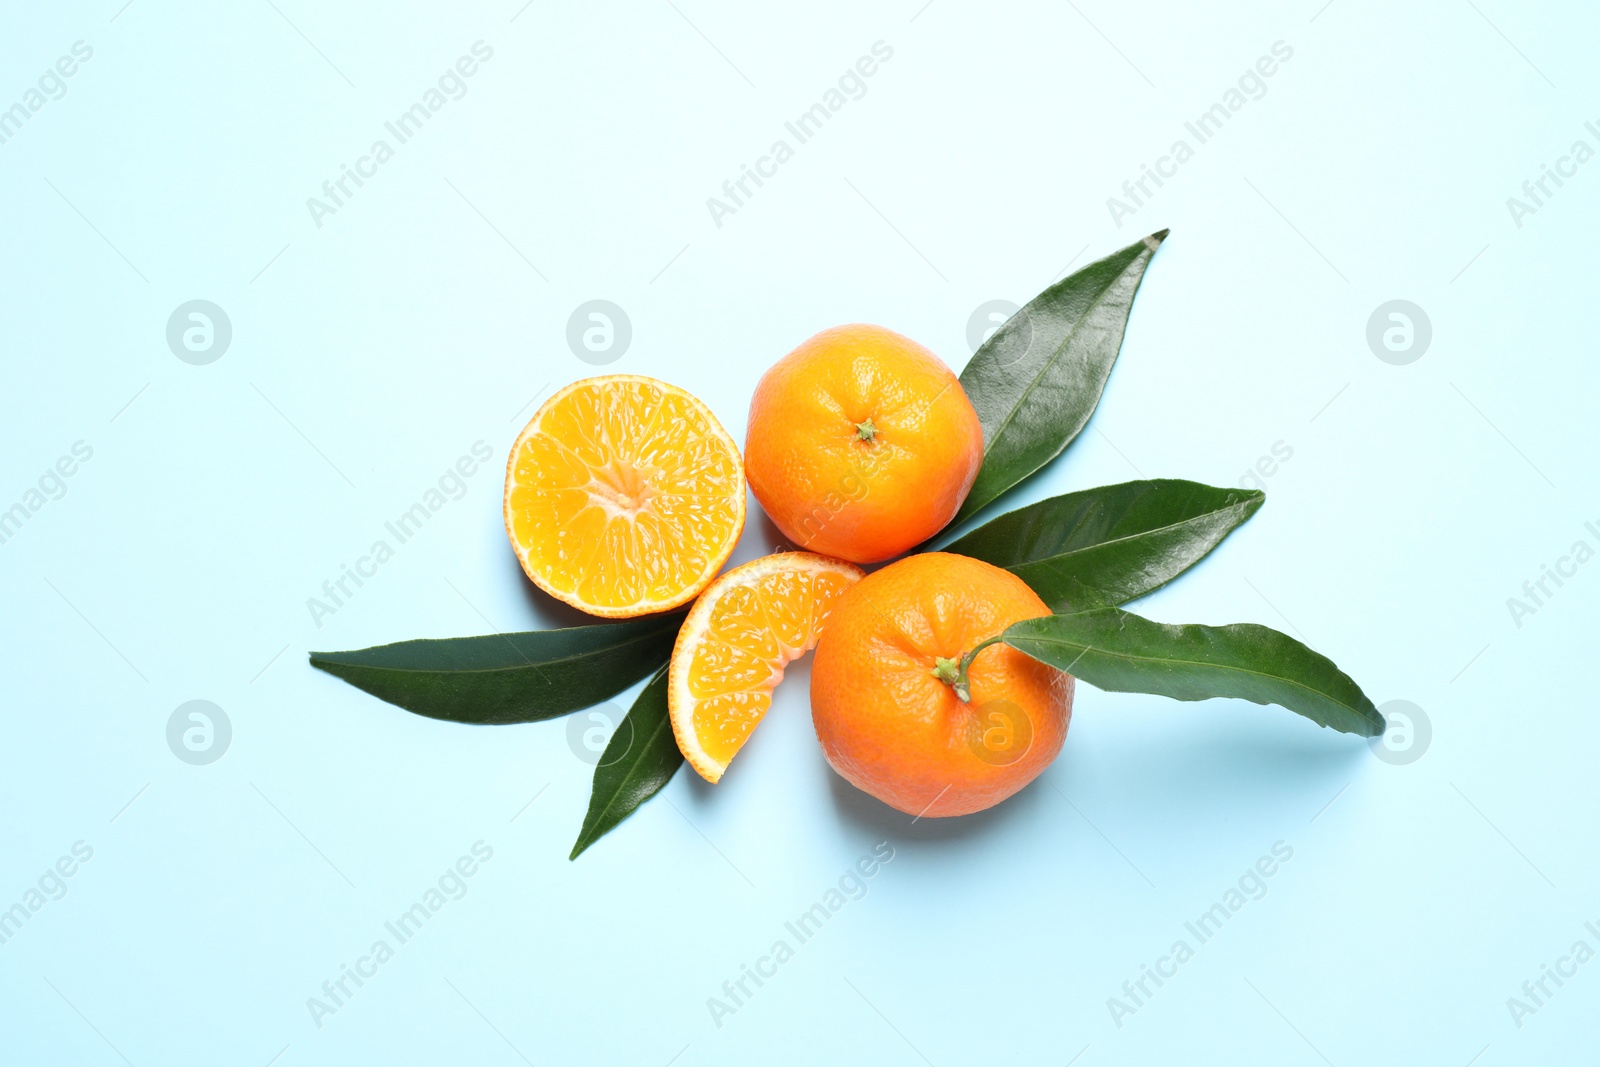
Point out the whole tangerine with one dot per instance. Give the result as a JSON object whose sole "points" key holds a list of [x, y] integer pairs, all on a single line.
{"points": [[861, 444], [895, 715]]}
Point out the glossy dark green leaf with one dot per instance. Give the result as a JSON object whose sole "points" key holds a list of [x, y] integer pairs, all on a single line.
{"points": [[1108, 546], [1119, 651], [506, 678], [1037, 379], [641, 758]]}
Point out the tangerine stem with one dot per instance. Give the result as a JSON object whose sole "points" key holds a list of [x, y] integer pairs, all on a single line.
{"points": [[959, 682]]}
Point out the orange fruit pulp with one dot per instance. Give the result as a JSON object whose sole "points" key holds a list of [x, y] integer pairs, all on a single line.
{"points": [[733, 646], [624, 496]]}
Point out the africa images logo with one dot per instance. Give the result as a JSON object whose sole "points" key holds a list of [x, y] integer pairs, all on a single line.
{"points": [[336, 192], [52, 82], [805, 126]]}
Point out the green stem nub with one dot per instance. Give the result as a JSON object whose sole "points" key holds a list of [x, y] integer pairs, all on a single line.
{"points": [[865, 431], [953, 672]]}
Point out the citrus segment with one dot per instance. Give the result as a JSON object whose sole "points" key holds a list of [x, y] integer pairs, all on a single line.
{"points": [[733, 647], [624, 496]]}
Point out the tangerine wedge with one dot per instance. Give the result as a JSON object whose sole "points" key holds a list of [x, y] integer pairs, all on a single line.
{"points": [[733, 646], [624, 496]]}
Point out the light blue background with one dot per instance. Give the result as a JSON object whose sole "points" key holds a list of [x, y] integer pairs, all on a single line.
{"points": [[430, 311]]}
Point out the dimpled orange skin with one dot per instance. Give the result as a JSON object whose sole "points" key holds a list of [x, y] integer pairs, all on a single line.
{"points": [[832, 491], [892, 729]]}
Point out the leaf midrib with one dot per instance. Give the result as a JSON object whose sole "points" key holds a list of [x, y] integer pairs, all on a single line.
{"points": [[627, 778], [1127, 537], [1198, 663], [1045, 366], [526, 665]]}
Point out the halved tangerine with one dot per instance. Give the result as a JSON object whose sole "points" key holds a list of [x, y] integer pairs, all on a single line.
{"points": [[624, 496], [733, 647]]}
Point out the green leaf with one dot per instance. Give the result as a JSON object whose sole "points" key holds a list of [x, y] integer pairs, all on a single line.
{"points": [[1108, 546], [641, 758], [1037, 379], [506, 678], [1118, 651]]}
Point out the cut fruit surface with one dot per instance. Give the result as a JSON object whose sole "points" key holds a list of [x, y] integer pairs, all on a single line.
{"points": [[733, 647], [624, 496]]}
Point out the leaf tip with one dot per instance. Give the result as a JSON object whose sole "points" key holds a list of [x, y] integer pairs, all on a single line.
{"points": [[1155, 239], [577, 848], [327, 661]]}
